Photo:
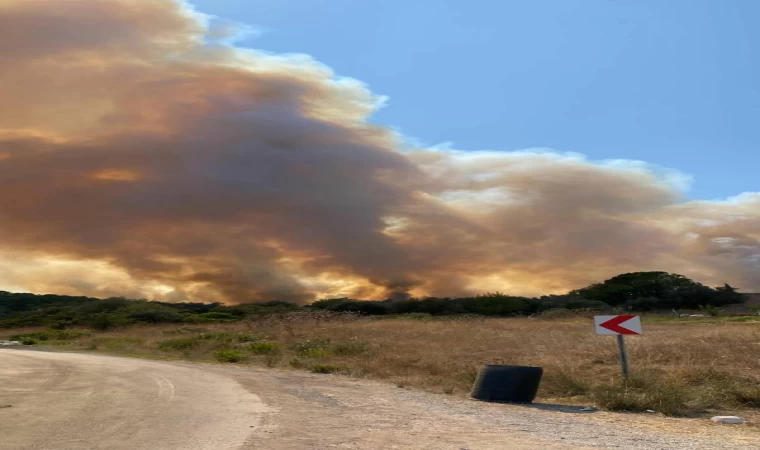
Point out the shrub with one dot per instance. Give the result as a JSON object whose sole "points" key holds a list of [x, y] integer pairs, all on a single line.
{"points": [[272, 359], [556, 313], [117, 343], [562, 383], [152, 313], [351, 348], [642, 395], [353, 306], [107, 305], [217, 317], [263, 348], [497, 304], [66, 335], [60, 325], [418, 316], [185, 329], [178, 344], [105, 321], [745, 396], [229, 338], [326, 368], [36, 335], [710, 310], [52, 335], [317, 348], [230, 355]]}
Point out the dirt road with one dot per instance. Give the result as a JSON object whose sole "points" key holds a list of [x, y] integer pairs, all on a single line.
{"points": [[62, 401]]}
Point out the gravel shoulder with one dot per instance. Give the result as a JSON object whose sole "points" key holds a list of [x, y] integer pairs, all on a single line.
{"points": [[75, 401]]}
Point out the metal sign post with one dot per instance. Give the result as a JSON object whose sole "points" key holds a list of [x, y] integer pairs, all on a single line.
{"points": [[619, 326], [622, 355]]}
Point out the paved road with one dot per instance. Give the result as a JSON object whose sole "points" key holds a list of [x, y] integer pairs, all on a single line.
{"points": [[62, 401]]}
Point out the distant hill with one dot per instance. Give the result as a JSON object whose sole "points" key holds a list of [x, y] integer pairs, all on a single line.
{"points": [[637, 291], [63, 311]]}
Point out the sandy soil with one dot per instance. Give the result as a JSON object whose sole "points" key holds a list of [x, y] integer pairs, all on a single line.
{"points": [[62, 401]]}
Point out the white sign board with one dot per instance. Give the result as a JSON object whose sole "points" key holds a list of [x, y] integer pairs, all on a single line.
{"points": [[617, 325]]}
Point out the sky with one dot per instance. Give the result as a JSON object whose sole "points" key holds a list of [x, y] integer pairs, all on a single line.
{"points": [[267, 150], [673, 83]]}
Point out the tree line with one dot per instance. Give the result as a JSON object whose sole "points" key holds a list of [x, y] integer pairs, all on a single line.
{"points": [[638, 291]]}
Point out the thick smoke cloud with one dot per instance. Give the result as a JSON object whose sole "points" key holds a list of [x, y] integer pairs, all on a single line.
{"points": [[141, 154]]}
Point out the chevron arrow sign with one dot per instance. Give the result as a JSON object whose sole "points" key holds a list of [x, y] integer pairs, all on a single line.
{"points": [[617, 325]]}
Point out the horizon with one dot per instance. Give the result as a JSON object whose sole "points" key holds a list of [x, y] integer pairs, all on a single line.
{"points": [[751, 295]]}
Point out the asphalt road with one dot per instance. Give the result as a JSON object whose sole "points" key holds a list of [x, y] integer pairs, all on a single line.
{"points": [[64, 401]]}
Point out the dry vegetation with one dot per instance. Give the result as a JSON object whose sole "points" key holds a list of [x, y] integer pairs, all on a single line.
{"points": [[681, 366]]}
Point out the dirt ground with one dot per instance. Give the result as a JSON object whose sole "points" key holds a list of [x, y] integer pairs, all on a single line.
{"points": [[81, 401]]}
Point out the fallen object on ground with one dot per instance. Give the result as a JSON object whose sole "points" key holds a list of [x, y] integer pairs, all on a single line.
{"points": [[728, 419]]}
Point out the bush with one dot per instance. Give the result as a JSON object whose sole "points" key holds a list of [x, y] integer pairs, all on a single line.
{"points": [[498, 304], [317, 348], [272, 359], [745, 396], [217, 317], [105, 321], [185, 329], [263, 348], [152, 313], [351, 348], [418, 316], [642, 395], [230, 356], [51, 335], [326, 368], [178, 344], [229, 338], [557, 313], [60, 325], [710, 310], [36, 336], [355, 306], [562, 383], [116, 343], [66, 335], [107, 305]]}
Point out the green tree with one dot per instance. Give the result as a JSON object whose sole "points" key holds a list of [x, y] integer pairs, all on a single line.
{"points": [[657, 290], [728, 295]]}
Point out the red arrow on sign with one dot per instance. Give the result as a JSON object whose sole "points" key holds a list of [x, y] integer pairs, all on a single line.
{"points": [[614, 325]]}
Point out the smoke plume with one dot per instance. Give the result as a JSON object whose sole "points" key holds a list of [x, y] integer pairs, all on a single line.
{"points": [[141, 153]]}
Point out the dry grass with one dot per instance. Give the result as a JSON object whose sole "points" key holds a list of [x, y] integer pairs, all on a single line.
{"points": [[677, 368]]}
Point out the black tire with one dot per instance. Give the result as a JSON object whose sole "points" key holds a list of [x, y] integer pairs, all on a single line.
{"points": [[516, 384]]}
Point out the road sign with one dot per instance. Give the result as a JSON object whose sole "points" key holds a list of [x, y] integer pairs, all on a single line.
{"points": [[617, 325]]}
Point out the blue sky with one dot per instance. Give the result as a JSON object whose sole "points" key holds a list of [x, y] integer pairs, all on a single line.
{"points": [[675, 83]]}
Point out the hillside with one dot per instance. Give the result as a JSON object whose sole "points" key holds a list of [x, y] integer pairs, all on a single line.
{"points": [[639, 291]]}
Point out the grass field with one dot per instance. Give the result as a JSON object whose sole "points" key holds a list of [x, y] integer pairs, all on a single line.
{"points": [[679, 366]]}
